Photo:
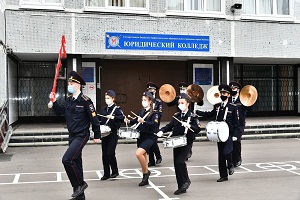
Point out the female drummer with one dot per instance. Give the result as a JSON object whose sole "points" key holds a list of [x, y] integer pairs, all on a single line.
{"points": [[111, 116], [225, 111], [183, 123], [147, 124]]}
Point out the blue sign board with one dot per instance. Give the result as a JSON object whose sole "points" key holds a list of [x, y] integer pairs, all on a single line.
{"points": [[203, 76], [88, 74], [160, 42]]}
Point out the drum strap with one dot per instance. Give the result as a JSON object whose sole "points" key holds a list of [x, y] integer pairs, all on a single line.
{"points": [[225, 114], [137, 125], [186, 128], [111, 114]]}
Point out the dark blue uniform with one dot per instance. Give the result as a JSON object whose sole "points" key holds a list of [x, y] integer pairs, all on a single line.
{"points": [[147, 129], [79, 113], [154, 150], [109, 143], [225, 148], [242, 110], [180, 153]]}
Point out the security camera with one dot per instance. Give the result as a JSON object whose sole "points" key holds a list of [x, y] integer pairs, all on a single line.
{"points": [[236, 6]]}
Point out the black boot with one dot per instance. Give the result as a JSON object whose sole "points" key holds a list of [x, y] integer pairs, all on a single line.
{"points": [[145, 179]]}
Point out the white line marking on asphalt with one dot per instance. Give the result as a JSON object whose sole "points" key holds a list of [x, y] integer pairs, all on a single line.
{"points": [[210, 169], [16, 179], [165, 197], [249, 170], [59, 178], [99, 174]]}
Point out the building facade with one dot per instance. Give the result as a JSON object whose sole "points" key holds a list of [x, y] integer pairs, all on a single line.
{"points": [[123, 44]]}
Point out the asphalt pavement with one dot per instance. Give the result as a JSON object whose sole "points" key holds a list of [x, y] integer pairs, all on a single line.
{"points": [[270, 171]]}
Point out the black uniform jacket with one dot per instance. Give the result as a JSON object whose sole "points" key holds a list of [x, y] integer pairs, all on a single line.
{"points": [[232, 118], [158, 107], [150, 125], [114, 124], [79, 114], [177, 128]]}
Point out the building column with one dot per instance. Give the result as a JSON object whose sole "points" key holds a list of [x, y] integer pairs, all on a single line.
{"points": [[226, 69]]}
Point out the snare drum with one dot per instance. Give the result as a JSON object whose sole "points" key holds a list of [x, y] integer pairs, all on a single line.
{"points": [[217, 131], [128, 133], [105, 130], [174, 142]]}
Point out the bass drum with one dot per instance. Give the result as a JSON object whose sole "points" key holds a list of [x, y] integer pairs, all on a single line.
{"points": [[217, 131]]}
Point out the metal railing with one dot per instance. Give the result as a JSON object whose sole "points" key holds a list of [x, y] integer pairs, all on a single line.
{"points": [[6, 130]]}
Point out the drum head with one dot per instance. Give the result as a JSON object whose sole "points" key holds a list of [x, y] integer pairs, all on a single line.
{"points": [[223, 131]]}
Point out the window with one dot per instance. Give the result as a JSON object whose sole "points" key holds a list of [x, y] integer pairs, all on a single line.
{"points": [[42, 2], [117, 3], [266, 7], [195, 5]]}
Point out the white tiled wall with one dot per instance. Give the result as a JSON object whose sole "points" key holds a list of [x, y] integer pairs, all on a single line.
{"points": [[12, 91]]}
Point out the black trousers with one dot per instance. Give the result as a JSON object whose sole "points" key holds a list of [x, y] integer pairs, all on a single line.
{"points": [[154, 150], [72, 159], [179, 156], [109, 160], [224, 158], [237, 148]]}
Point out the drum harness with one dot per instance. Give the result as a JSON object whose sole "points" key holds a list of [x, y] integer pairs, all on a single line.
{"points": [[111, 114], [225, 114], [185, 131], [137, 125]]}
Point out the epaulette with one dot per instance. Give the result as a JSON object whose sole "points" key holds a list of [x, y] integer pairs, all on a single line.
{"points": [[158, 100], [86, 98], [232, 104], [69, 96]]}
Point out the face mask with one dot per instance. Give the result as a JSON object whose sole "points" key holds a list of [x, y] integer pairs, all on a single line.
{"points": [[223, 97], [71, 89], [182, 91], [108, 102], [234, 93], [145, 104], [182, 107]]}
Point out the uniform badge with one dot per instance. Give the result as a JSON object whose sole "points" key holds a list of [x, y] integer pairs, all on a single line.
{"points": [[94, 114], [91, 108]]}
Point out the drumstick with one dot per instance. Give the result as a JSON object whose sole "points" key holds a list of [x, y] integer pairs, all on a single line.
{"points": [[182, 122], [134, 114], [102, 116], [130, 117]]}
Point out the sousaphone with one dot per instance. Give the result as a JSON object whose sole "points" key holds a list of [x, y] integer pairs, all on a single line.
{"points": [[248, 95], [195, 92], [167, 93], [213, 95]]}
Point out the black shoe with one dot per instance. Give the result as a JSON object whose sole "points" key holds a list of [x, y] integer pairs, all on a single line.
{"points": [[180, 191], [80, 189], [151, 164], [114, 175], [145, 180], [190, 154], [158, 161], [222, 179], [238, 164], [81, 197], [231, 170], [103, 178]]}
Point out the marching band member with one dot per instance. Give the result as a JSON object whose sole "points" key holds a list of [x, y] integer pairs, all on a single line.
{"points": [[80, 113], [111, 115], [157, 106], [237, 145], [147, 123], [228, 112], [188, 123]]}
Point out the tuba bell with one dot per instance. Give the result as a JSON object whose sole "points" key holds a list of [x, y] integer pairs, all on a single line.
{"points": [[213, 95], [167, 93], [248, 95], [195, 92]]}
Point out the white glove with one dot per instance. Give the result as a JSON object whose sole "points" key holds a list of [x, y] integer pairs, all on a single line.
{"points": [[110, 117], [234, 138], [159, 134], [91, 134], [185, 124]]}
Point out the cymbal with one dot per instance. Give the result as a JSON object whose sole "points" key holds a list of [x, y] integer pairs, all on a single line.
{"points": [[248, 95], [167, 93], [195, 92], [213, 95]]}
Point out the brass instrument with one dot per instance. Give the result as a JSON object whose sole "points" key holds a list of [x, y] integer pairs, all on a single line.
{"points": [[213, 95], [195, 92], [167, 93], [248, 95]]}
